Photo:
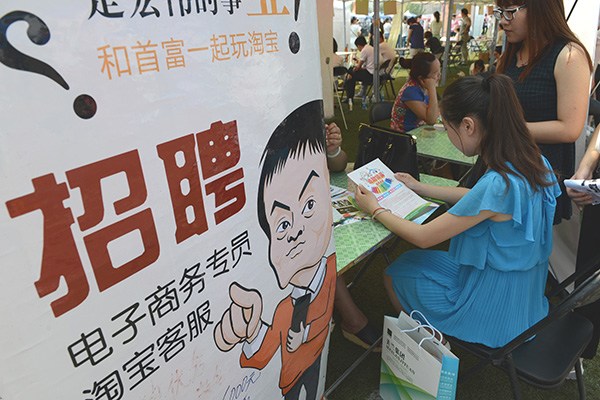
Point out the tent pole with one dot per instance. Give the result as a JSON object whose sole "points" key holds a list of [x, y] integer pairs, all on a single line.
{"points": [[375, 36], [447, 45], [494, 41], [401, 24], [345, 28]]}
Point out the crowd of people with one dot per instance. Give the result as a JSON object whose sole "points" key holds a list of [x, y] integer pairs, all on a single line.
{"points": [[522, 121]]}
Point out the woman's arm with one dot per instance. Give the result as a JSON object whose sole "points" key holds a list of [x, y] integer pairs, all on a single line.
{"points": [[445, 193], [426, 112], [572, 74], [437, 231]]}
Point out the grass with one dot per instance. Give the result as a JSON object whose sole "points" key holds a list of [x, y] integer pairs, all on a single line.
{"points": [[358, 115], [369, 294]]}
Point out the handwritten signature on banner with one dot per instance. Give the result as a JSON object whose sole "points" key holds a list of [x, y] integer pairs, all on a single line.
{"points": [[190, 7], [93, 348], [218, 152], [145, 56]]}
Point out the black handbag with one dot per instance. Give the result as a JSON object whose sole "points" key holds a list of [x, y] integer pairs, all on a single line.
{"points": [[398, 151]]}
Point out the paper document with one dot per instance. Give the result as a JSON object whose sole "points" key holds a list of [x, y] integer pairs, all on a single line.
{"points": [[589, 186], [345, 210], [391, 193], [335, 191]]}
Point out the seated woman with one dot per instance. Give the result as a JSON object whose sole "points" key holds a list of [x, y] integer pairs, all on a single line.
{"points": [[434, 45], [489, 286], [417, 100]]}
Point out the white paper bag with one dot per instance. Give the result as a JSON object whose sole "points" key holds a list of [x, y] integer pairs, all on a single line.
{"points": [[415, 365]]}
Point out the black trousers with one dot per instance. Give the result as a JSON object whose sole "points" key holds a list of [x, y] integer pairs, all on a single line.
{"points": [[310, 381], [586, 249], [362, 75]]}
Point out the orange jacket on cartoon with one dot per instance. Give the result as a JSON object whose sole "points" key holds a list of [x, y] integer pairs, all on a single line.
{"points": [[319, 314]]}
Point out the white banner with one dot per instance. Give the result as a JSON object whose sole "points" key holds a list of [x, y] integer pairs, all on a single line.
{"points": [[147, 252]]}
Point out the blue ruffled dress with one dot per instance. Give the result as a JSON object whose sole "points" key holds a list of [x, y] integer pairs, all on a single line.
{"points": [[489, 287]]}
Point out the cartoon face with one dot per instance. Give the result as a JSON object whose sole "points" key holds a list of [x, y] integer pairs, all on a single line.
{"points": [[298, 211]]}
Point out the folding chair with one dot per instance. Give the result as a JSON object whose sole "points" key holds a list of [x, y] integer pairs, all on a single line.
{"points": [[380, 111], [387, 77], [340, 72], [544, 354], [382, 70], [455, 55]]}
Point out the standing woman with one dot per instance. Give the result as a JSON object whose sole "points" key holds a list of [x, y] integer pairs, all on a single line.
{"points": [[551, 72], [415, 38], [436, 25]]}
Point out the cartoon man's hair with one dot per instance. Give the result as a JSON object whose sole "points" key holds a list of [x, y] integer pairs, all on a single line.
{"points": [[300, 131]]}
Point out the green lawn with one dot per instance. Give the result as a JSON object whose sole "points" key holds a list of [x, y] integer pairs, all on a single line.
{"points": [[370, 295]]}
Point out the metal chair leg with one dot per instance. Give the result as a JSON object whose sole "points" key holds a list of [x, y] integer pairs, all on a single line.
{"points": [[512, 375], [580, 382]]}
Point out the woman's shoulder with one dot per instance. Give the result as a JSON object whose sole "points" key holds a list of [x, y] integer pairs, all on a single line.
{"points": [[570, 54]]}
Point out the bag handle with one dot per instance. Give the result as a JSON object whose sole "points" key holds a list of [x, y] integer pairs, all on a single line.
{"points": [[427, 324]]}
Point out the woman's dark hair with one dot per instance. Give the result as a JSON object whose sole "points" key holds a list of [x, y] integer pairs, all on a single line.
{"points": [[411, 20], [353, 19], [420, 65], [504, 138], [546, 24], [436, 15]]}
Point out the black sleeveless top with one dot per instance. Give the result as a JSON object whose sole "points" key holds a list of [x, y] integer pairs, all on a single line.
{"points": [[538, 97]]}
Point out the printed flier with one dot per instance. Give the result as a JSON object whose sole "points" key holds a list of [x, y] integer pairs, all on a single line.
{"points": [[391, 193]]}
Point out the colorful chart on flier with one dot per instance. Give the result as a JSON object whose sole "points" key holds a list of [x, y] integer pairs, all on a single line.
{"points": [[377, 181], [391, 193]]}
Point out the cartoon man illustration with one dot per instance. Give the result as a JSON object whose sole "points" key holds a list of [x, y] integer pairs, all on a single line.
{"points": [[294, 211]]}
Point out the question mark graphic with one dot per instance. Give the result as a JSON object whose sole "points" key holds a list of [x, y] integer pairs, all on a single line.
{"points": [[38, 32], [294, 39]]}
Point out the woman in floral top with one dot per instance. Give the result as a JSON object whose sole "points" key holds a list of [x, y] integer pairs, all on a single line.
{"points": [[417, 100]]}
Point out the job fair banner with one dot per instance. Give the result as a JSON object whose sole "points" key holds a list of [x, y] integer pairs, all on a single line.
{"points": [[165, 221]]}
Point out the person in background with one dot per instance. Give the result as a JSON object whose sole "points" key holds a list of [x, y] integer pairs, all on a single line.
{"points": [[464, 35], [415, 37], [386, 52], [551, 72], [436, 25], [355, 32], [417, 101], [477, 68], [454, 25], [434, 45], [402, 38], [588, 235], [484, 27], [363, 71], [336, 59], [387, 28], [337, 159], [501, 38], [489, 286]]}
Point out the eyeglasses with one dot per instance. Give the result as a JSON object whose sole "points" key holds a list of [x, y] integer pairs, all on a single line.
{"points": [[507, 14]]}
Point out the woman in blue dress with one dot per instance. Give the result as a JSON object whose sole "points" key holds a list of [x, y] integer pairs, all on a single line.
{"points": [[489, 286]]}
